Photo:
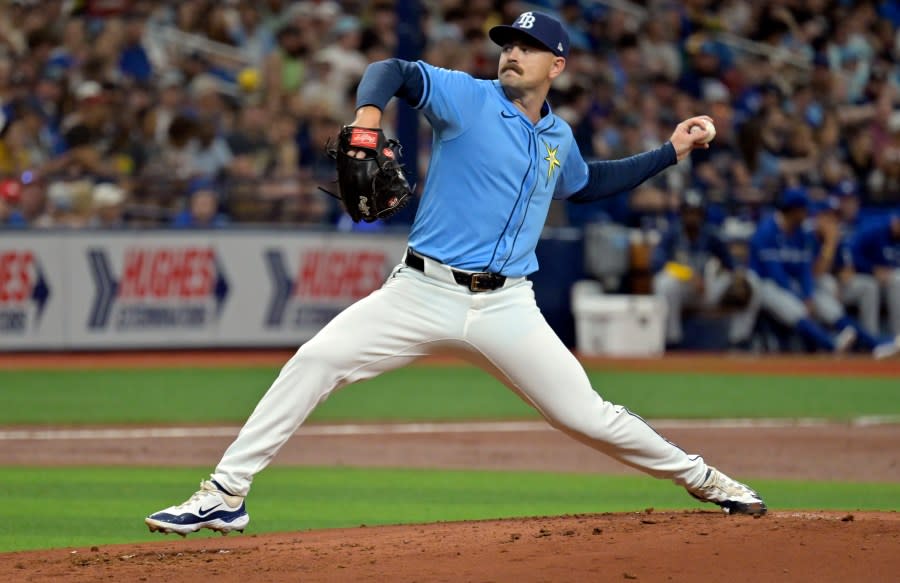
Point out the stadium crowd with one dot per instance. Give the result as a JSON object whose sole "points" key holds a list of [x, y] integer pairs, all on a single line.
{"points": [[208, 113]]}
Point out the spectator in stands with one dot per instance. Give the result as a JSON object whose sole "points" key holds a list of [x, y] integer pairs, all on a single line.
{"points": [[876, 250], [285, 67], [210, 152], [10, 195], [108, 206], [134, 62], [782, 255], [777, 118], [694, 269], [252, 34], [202, 211], [381, 33]]}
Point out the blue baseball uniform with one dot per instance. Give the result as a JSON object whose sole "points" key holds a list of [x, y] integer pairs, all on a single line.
{"points": [[783, 258], [846, 286], [461, 287], [676, 246], [875, 247], [493, 173], [784, 263]]}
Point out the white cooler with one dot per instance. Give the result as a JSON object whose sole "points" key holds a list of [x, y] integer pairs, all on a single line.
{"points": [[617, 325]]}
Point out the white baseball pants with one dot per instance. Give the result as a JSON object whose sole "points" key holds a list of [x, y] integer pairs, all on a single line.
{"points": [[892, 298], [418, 314], [682, 294], [860, 290], [788, 309]]}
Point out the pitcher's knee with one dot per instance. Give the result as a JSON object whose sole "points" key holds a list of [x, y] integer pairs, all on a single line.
{"points": [[591, 421]]}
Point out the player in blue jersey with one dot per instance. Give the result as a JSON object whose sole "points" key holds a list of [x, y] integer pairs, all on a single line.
{"points": [[710, 276], [833, 265], [499, 156], [876, 251], [782, 254]]}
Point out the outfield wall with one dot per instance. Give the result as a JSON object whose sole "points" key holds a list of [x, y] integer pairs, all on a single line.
{"points": [[165, 289]]}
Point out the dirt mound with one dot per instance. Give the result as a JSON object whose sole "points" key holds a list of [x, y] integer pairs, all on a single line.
{"points": [[648, 546]]}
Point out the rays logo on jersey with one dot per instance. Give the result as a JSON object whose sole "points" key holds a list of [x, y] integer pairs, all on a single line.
{"points": [[552, 161]]}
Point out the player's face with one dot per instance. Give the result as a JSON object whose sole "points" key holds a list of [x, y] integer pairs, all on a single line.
{"points": [[692, 218], [794, 218], [526, 66]]}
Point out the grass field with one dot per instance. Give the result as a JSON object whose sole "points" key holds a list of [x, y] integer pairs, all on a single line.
{"points": [[418, 393], [51, 507], [87, 506]]}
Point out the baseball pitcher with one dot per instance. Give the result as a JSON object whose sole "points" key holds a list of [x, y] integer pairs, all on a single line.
{"points": [[499, 156]]}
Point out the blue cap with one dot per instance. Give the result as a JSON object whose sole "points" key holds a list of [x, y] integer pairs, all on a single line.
{"points": [[845, 187], [829, 204], [546, 30], [793, 198]]}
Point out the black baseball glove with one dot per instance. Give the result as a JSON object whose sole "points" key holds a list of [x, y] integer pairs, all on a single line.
{"points": [[373, 187], [738, 294]]}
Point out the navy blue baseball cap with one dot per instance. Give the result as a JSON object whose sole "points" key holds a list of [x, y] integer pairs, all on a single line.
{"points": [[544, 29], [828, 204], [846, 187], [793, 198]]}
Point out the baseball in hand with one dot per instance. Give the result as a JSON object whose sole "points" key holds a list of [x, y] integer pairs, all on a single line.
{"points": [[710, 130]]}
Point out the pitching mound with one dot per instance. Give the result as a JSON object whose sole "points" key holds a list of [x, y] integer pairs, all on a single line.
{"points": [[648, 546]]}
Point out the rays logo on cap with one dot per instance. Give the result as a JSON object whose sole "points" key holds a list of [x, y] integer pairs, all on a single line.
{"points": [[547, 31], [526, 20]]}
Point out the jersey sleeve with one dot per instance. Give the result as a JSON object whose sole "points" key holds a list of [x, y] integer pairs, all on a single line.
{"points": [[448, 97], [611, 177]]}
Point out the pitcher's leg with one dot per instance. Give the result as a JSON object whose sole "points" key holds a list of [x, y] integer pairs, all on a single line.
{"points": [[528, 356], [387, 330]]}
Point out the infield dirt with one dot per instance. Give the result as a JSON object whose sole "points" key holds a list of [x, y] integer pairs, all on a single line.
{"points": [[647, 546]]}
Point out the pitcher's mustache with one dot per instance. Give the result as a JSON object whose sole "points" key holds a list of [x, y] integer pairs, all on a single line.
{"points": [[515, 68]]}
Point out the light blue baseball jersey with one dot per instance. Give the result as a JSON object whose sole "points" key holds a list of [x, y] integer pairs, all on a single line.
{"points": [[492, 175]]}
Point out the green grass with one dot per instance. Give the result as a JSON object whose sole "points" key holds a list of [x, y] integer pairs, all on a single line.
{"points": [[56, 507], [418, 393]]}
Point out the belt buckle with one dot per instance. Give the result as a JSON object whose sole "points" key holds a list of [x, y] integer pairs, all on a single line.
{"points": [[481, 282]]}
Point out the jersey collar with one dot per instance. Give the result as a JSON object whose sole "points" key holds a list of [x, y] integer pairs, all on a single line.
{"points": [[546, 111]]}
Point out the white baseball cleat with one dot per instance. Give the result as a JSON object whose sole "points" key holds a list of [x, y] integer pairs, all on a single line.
{"points": [[887, 350], [210, 507], [844, 340], [731, 495]]}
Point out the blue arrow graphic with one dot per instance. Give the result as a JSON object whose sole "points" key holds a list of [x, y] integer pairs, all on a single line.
{"points": [[106, 287], [281, 287], [40, 293], [221, 289]]}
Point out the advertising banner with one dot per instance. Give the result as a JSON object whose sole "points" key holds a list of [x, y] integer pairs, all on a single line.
{"points": [[155, 289], [32, 283]]}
